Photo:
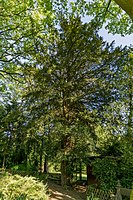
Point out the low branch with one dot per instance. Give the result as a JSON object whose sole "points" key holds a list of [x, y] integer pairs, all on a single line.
{"points": [[127, 6]]}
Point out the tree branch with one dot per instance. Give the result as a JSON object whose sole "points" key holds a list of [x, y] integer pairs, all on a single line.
{"points": [[127, 6]]}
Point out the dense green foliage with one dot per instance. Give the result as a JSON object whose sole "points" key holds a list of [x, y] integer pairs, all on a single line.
{"points": [[116, 165], [15, 187]]}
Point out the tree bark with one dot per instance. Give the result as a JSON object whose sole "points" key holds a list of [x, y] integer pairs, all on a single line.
{"points": [[127, 6], [63, 173], [130, 117], [46, 164], [40, 167], [65, 176], [80, 172]]}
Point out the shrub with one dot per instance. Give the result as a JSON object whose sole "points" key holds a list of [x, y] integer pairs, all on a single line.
{"points": [[117, 165], [126, 166], [15, 187], [105, 171]]}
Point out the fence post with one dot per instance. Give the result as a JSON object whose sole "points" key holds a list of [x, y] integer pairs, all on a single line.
{"points": [[118, 192]]}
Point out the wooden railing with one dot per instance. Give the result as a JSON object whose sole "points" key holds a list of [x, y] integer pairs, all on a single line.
{"points": [[55, 177], [98, 194]]}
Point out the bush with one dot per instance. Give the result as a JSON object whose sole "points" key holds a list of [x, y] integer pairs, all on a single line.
{"points": [[15, 187], [126, 166], [117, 165], [105, 171]]}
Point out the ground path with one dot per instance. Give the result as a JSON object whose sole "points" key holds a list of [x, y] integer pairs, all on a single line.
{"points": [[59, 193]]}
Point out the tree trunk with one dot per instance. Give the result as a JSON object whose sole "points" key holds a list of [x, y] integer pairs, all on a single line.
{"points": [[80, 171], [65, 176], [46, 164], [130, 117], [89, 173], [40, 167]]}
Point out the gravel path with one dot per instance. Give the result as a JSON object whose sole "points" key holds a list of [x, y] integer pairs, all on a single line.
{"points": [[59, 193]]}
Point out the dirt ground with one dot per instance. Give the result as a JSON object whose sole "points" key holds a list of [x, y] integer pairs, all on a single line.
{"points": [[59, 193]]}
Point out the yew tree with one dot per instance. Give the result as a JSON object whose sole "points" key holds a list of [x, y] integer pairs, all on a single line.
{"points": [[74, 78]]}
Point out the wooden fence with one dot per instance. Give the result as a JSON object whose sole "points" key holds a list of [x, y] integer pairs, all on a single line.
{"points": [[98, 194]]}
